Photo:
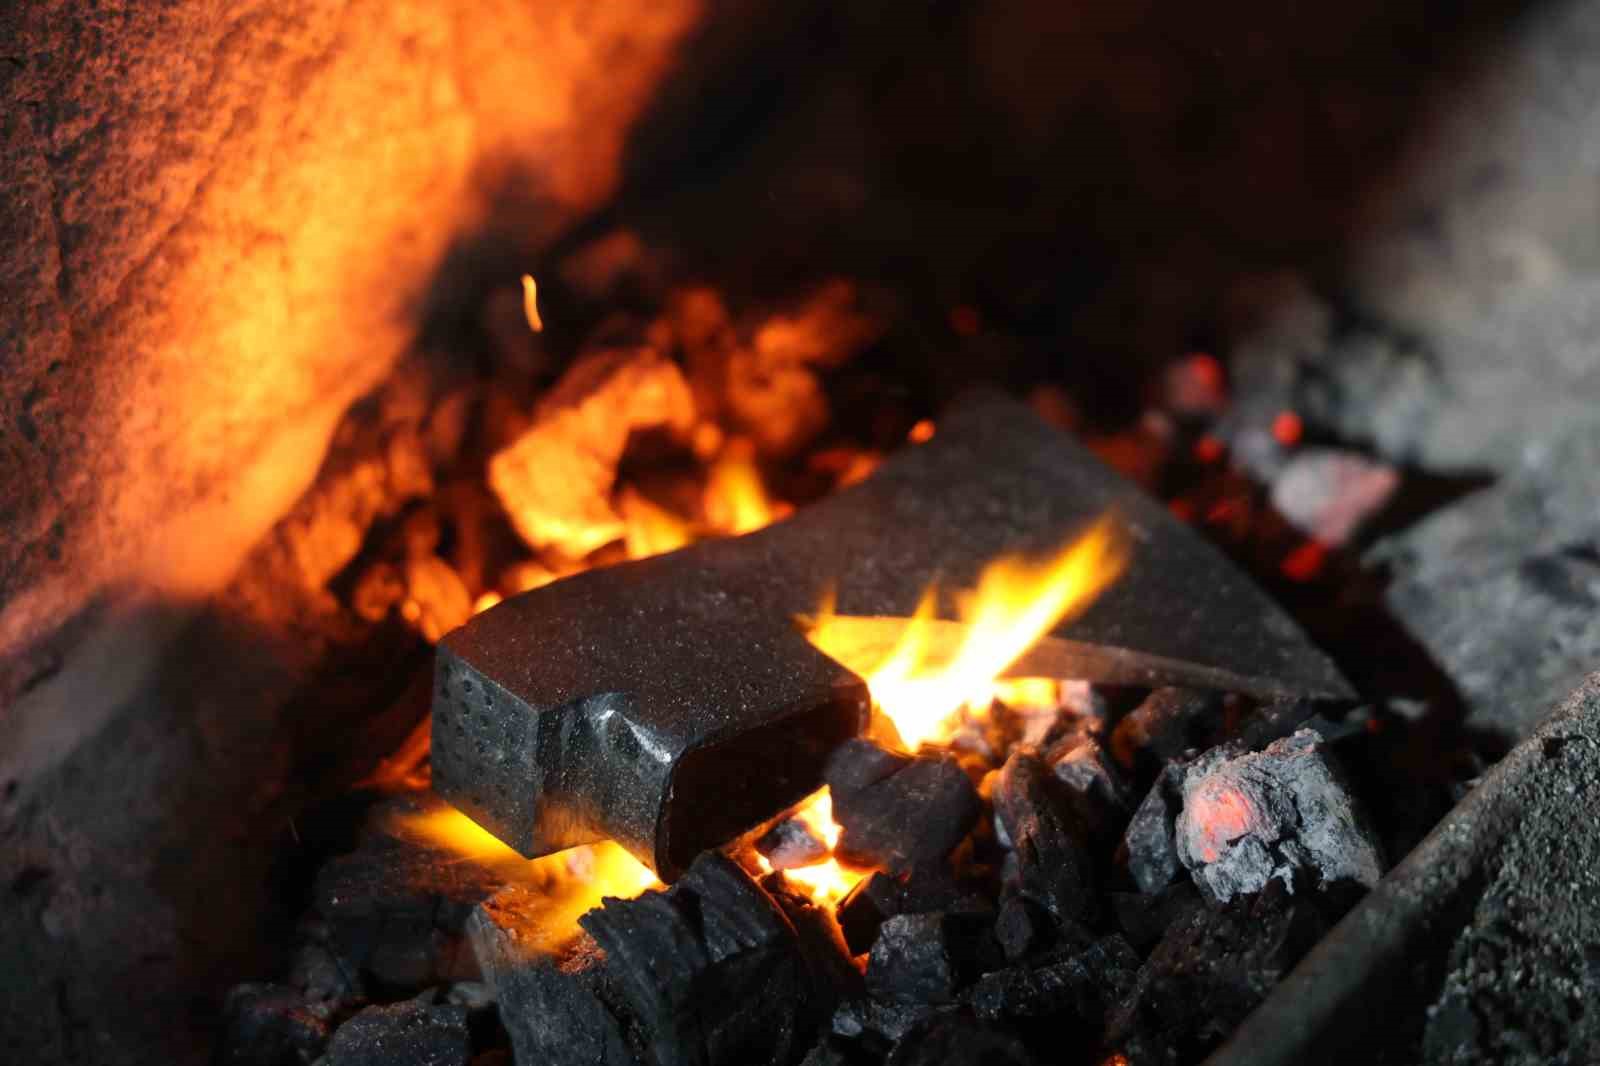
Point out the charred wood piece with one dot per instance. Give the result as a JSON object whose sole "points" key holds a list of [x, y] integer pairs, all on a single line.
{"points": [[1209, 971], [791, 843], [1150, 842], [1262, 816], [1144, 917], [1050, 841], [556, 1007], [1083, 984], [1096, 788], [610, 703], [270, 1025], [709, 972], [913, 961], [898, 812], [880, 896], [391, 915], [1164, 727], [404, 1034]]}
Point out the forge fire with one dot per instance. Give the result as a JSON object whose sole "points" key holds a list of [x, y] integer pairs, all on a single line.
{"points": [[815, 534]]}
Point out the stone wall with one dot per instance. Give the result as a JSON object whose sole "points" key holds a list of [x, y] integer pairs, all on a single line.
{"points": [[217, 224]]}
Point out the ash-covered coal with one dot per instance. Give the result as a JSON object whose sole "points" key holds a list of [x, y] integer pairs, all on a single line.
{"points": [[1256, 817]]}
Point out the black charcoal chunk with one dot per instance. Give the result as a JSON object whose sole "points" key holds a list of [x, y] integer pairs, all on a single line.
{"points": [[872, 1021], [405, 1034], [1083, 984], [1211, 968], [270, 1025], [390, 915], [1144, 917], [913, 961], [1150, 840], [1164, 727], [1254, 818], [1022, 927], [880, 896], [1049, 839], [896, 811], [874, 900], [1095, 788], [791, 843], [832, 1051], [554, 1004], [827, 958], [709, 971], [953, 1038]]}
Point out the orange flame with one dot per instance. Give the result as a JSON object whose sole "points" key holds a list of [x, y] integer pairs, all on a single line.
{"points": [[1016, 602], [736, 500], [530, 303], [649, 529], [826, 882], [570, 883]]}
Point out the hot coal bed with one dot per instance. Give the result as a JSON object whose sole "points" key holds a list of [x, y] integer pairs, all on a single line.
{"points": [[543, 532], [1117, 862]]}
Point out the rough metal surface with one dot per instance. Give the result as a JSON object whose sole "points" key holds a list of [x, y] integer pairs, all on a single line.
{"points": [[562, 715], [1514, 869]]}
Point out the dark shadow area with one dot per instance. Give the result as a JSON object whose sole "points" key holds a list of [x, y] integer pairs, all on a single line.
{"points": [[1096, 180]]}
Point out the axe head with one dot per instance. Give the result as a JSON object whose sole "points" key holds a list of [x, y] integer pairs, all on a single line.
{"points": [[671, 703]]}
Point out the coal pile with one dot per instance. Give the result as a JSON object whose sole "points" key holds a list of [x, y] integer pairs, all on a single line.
{"points": [[1132, 884]]}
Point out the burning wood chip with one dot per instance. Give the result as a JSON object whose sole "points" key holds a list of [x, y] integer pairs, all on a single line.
{"points": [[898, 812], [708, 972], [555, 481], [1049, 838], [791, 843], [392, 913], [404, 1034], [553, 1006], [1252, 818]]}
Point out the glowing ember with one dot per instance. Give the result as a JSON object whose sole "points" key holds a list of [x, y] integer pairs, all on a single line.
{"points": [[1016, 603], [530, 303], [736, 501], [570, 883], [1223, 815], [648, 528], [826, 882]]}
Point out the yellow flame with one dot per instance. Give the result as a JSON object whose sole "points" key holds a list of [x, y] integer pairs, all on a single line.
{"points": [[530, 303], [1016, 602], [826, 882], [649, 529], [570, 883], [736, 500]]}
